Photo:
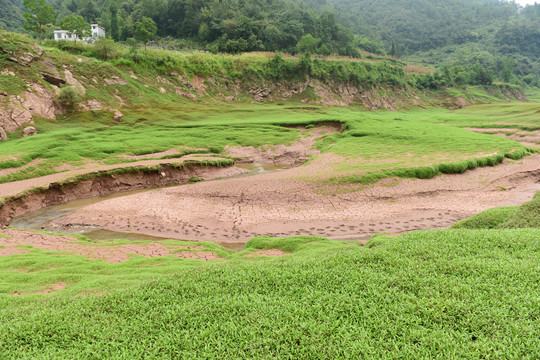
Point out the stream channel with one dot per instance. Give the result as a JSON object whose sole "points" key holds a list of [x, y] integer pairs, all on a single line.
{"points": [[41, 219]]}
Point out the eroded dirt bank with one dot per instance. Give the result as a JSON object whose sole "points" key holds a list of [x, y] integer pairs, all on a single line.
{"points": [[101, 184], [288, 203]]}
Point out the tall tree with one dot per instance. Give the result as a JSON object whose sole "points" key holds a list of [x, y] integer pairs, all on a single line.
{"points": [[38, 16], [87, 9], [76, 25], [145, 30], [115, 35]]}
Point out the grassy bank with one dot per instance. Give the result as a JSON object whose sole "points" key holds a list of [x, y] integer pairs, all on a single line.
{"points": [[526, 215], [454, 294]]}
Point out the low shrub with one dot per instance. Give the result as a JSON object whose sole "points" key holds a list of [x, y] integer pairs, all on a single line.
{"points": [[69, 96]]}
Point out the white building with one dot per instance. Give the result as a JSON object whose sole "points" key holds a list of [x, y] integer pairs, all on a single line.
{"points": [[96, 30]]}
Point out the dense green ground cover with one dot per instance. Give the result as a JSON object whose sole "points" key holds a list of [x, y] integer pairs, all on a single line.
{"points": [[429, 294]]}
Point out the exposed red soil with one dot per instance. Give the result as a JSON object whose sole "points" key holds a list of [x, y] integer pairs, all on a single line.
{"points": [[111, 253], [54, 287], [50, 289], [293, 154], [5, 172], [199, 255], [104, 184], [16, 187], [157, 155], [527, 138], [285, 203]]}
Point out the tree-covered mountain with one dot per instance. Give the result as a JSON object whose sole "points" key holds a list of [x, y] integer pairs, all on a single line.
{"points": [[419, 24], [220, 25]]}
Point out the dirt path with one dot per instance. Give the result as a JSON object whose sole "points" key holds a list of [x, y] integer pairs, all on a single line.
{"points": [[285, 204]]}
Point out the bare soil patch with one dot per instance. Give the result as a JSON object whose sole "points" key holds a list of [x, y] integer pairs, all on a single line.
{"points": [[288, 203], [199, 255], [5, 172], [12, 251], [294, 154], [170, 152], [17, 187], [527, 138], [111, 253]]}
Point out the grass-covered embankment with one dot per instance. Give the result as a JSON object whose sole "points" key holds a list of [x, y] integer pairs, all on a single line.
{"points": [[452, 294], [526, 215]]}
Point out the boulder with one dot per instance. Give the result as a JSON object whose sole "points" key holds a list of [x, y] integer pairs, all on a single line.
{"points": [[117, 116], [49, 64], [29, 131]]}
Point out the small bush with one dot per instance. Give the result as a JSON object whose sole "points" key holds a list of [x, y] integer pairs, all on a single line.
{"points": [[69, 96]]}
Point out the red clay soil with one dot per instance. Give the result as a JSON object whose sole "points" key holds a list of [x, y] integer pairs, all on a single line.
{"points": [[285, 204], [50, 289], [113, 253]]}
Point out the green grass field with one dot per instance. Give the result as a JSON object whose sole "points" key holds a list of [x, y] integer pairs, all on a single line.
{"points": [[430, 294]]}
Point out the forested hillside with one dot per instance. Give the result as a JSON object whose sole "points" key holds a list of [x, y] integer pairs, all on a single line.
{"points": [[10, 15], [497, 35]]}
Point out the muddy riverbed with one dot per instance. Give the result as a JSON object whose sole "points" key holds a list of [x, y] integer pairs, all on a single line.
{"points": [[285, 203]]}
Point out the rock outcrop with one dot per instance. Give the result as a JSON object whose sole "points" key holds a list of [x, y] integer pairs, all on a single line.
{"points": [[53, 79]]}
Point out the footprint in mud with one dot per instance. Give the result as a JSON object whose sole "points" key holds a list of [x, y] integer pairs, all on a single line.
{"points": [[352, 227]]}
